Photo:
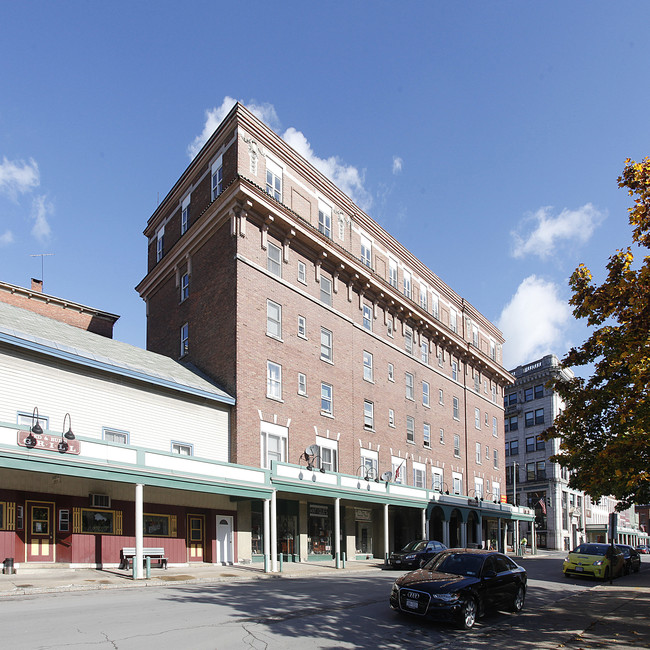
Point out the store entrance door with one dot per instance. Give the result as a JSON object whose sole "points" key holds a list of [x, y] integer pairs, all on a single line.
{"points": [[40, 531], [196, 537], [364, 537]]}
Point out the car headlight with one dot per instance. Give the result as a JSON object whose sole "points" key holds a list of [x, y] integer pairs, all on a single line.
{"points": [[598, 562], [410, 557], [447, 598], [567, 559], [394, 591]]}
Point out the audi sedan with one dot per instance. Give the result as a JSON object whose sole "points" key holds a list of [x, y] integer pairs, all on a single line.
{"points": [[414, 554], [460, 585]]}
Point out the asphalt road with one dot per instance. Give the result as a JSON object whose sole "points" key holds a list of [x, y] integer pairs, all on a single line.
{"points": [[326, 612]]}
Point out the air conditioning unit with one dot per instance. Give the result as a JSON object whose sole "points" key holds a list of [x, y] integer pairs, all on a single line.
{"points": [[100, 501]]}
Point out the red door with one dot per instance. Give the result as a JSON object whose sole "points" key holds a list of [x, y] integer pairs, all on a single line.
{"points": [[40, 531]]}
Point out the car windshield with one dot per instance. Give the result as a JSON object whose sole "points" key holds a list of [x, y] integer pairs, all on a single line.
{"points": [[462, 564], [417, 545], [591, 549]]}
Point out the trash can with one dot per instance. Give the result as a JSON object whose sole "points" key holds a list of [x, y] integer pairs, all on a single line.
{"points": [[8, 566]]}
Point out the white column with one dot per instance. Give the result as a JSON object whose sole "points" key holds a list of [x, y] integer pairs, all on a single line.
{"points": [[386, 549], [337, 532], [267, 536], [445, 532], [139, 489], [479, 532], [274, 533], [463, 534], [425, 524], [500, 538]]}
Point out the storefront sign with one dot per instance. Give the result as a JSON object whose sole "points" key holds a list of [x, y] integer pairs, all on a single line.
{"points": [[48, 442], [318, 511], [363, 514], [504, 498]]}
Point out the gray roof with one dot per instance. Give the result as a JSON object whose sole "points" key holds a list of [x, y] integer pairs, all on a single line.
{"points": [[26, 329]]}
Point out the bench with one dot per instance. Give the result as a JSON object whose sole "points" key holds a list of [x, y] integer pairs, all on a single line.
{"points": [[158, 554]]}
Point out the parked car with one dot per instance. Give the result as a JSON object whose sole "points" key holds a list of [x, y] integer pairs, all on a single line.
{"points": [[414, 553], [632, 558], [644, 550], [595, 560], [460, 585]]}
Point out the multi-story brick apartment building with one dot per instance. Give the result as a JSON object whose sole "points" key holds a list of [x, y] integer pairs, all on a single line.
{"points": [[332, 336]]}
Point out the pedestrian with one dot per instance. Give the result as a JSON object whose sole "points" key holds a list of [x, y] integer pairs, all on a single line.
{"points": [[523, 544]]}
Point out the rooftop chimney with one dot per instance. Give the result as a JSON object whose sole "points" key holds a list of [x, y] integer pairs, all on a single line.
{"points": [[37, 285]]}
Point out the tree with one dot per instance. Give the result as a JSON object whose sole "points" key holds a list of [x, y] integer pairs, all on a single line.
{"points": [[605, 425]]}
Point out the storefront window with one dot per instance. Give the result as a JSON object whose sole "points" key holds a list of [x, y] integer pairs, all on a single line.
{"points": [[363, 530], [159, 525], [287, 534], [97, 521], [320, 529]]}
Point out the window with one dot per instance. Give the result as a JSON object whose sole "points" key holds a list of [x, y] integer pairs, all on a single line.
{"points": [[528, 395], [541, 469], [530, 471], [426, 435], [369, 462], [539, 391], [392, 273], [493, 350], [326, 345], [477, 383], [511, 423], [425, 393], [185, 286], [182, 449], [368, 415], [424, 352], [366, 251], [326, 290], [512, 448], [494, 427], [98, 522], [391, 418], [325, 219], [119, 437], [494, 394], [456, 445], [419, 475], [159, 525], [441, 397], [442, 436], [302, 272], [434, 305], [217, 177], [454, 370], [273, 319], [389, 327], [274, 179], [530, 444], [326, 398], [475, 335], [407, 284], [477, 418], [302, 384], [423, 297], [27, 419], [457, 483], [437, 482], [408, 341], [64, 521], [273, 441], [496, 458], [367, 317], [410, 429], [302, 327], [478, 453], [478, 488], [453, 320], [274, 259], [409, 385], [539, 416], [540, 444], [486, 419], [185, 339], [441, 358], [398, 466], [529, 419], [367, 366], [273, 380], [185, 214], [160, 243], [327, 457], [391, 372], [455, 408], [510, 400]]}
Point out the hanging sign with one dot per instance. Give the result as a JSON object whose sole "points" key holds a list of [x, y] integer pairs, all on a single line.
{"points": [[48, 442]]}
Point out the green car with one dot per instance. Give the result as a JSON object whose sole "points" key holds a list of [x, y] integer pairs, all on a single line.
{"points": [[596, 560]]}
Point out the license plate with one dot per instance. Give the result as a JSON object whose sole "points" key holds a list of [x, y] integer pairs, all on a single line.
{"points": [[579, 568], [398, 561], [412, 604]]}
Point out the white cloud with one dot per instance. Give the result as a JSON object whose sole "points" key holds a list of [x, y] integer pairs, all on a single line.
{"points": [[6, 238], [346, 177], [397, 165], [214, 117], [18, 177], [41, 210], [550, 231], [534, 322]]}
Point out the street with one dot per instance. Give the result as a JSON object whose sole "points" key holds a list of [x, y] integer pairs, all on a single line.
{"points": [[348, 611]]}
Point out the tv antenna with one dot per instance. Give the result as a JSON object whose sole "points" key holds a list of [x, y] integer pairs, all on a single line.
{"points": [[42, 256]]}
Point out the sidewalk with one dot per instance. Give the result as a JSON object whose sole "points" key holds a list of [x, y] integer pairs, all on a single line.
{"points": [[604, 616]]}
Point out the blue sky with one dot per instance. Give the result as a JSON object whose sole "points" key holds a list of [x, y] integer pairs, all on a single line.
{"points": [[487, 137]]}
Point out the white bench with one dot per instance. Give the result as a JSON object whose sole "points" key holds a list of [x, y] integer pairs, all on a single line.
{"points": [[157, 553]]}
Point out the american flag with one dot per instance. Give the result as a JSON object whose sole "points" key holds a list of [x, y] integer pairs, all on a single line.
{"points": [[542, 505]]}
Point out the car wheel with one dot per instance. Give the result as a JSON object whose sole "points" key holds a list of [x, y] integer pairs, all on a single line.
{"points": [[468, 614], [518, 602]]}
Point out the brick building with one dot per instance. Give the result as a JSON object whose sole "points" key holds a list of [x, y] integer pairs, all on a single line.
{"points": [[332, 337]]}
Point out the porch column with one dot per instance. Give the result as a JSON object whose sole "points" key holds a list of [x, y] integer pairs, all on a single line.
{"points": [[425, 524], [445, 532], [463, 534], [479, 531], [515, 536], [267, 536], [533, 538], [386, 549], [139, 489], [337, 532], [274, 532]]}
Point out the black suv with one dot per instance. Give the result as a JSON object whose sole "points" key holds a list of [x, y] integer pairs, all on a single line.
{"points": [[415, 554]]}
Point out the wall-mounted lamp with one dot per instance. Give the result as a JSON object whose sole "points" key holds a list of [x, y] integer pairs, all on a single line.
{"points": [[310, 455], [63, 446], [30, 440]]}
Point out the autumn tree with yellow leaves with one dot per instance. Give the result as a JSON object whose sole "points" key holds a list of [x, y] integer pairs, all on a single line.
{"points": [[605, 425]]}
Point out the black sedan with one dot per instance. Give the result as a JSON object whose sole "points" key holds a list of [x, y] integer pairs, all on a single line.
{"points": [[459, 585], [415, 553], [632, 558]]}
